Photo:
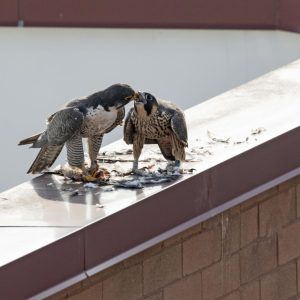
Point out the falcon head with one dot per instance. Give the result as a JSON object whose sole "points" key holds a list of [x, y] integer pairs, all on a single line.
{"points": [[118, 95], [145, 104]]}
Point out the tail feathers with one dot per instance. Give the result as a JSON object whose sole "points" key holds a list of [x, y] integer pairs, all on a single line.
{"points": [[45, 158], [30, 140]]}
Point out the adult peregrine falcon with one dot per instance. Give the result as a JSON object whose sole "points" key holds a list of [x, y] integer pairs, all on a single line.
{"points": [[89, 117], [154, 121]]}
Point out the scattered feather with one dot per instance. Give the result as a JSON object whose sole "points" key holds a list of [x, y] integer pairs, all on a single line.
{"points": [[129, 184], [217, 140], [241, 142], [107, 189], [258, 130], [90, 185], [74, 193]]}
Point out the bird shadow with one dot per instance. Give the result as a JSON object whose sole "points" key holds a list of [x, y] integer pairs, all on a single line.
{"points": [[56, 188]]}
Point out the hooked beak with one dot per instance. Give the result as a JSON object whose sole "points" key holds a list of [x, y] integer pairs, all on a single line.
{"points": [[134, 97], [141, 98]]}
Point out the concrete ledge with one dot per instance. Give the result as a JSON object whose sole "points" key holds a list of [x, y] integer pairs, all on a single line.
{"points": [[251, 134]]}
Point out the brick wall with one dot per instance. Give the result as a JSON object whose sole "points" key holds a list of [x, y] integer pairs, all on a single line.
{"points": [[249, 252]]}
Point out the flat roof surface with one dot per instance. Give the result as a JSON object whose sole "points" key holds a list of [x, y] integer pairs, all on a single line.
{"points": [[241, 140]]}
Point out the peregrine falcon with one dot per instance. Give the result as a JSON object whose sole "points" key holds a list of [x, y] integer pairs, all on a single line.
{"points": [[154, 121], [89, 117]]}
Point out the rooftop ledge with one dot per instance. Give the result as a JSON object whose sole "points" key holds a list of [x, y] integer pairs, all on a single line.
{"points": [[241, 143]]}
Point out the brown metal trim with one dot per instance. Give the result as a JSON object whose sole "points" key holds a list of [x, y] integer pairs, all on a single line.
{"points": [[230, 14], [145, 14], [43, 268], [289, 15], [153, 14]]}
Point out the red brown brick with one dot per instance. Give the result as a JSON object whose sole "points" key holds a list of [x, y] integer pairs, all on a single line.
{"points": [[249, 226], [212, 222], [231, 233], [289, 183], [162, 269], [192, 231], [259, 198], [158, 296], [258, 258], [289, 243], [233, 296], [298, 274], [298, 200], [250, 291], [277, 212], [201, 250], [281, 284], [221, 278], [92, 293], [105, 273], [67, 293], [140, 257], [189, 288], [125, 285]]}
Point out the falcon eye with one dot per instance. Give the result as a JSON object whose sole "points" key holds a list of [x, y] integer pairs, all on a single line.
{"points": [[148, 96]]}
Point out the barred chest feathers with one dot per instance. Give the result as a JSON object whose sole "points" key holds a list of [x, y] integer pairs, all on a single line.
{"points": [[97, 120]]}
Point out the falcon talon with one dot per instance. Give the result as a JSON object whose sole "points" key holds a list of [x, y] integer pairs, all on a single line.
{"points": [[90, 117]]}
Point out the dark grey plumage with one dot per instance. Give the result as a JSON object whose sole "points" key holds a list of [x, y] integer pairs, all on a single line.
{"points": [[89, 117], [153, 121]]}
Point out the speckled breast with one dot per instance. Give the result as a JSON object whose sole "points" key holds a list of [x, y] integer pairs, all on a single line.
{"points": [[97, 120], [154, 127]]}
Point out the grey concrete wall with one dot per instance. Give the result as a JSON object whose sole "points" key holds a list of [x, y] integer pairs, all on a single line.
{"points": [[40, 69]]}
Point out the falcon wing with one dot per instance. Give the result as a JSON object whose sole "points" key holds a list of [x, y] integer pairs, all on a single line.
{"points": [[45, 158], [165, 147], [128, 128], [63, 125], [179, 127]]}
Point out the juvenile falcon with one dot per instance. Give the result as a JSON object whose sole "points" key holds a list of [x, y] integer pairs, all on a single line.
{"points": [[89, 117], [155, 121]]}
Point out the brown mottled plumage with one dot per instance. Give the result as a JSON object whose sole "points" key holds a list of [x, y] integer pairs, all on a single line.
{"points": [[153, 121]]}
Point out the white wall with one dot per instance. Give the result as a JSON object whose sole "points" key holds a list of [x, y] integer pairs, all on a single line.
{"points": [[41, 68]]}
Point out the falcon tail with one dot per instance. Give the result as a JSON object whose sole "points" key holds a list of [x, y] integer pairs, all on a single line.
{"points": [[29, 140], [45, 158]]}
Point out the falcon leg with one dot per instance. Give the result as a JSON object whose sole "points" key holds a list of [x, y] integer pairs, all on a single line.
{"points": [[94, 144], [177, 163], [135, 165], [75, 156], [138, 143]]}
